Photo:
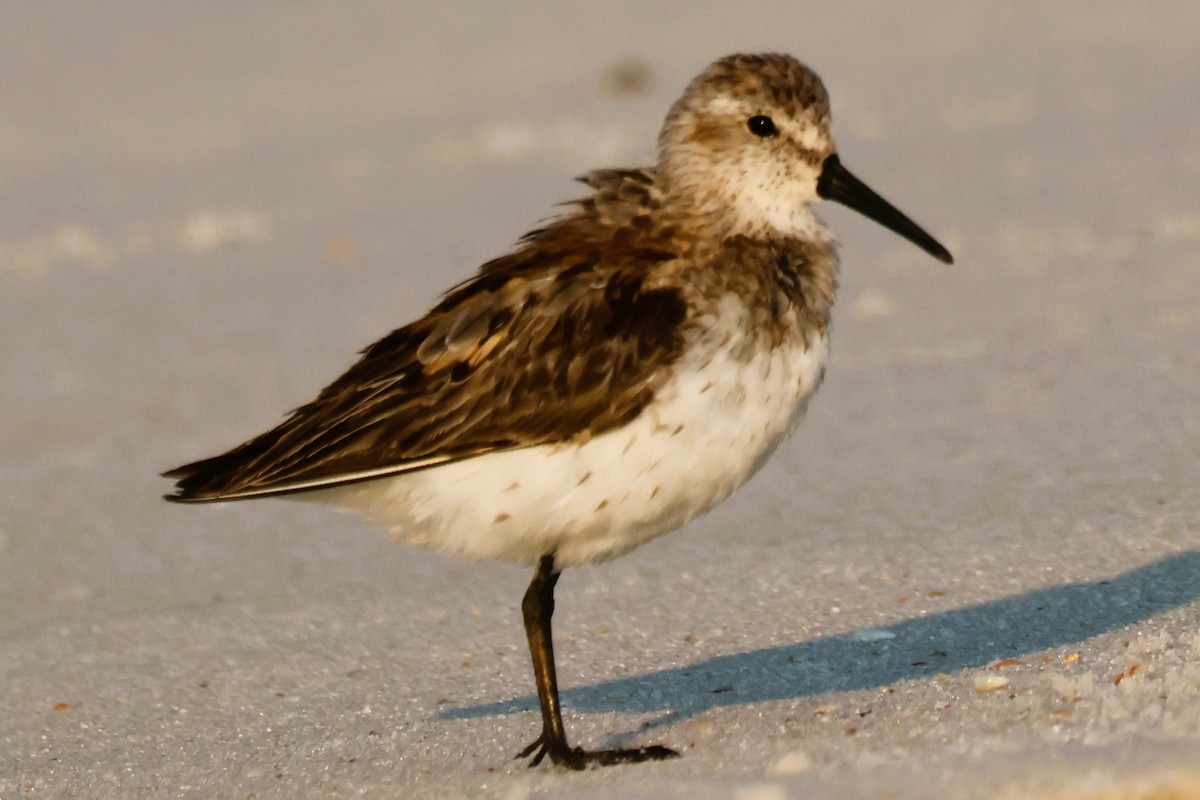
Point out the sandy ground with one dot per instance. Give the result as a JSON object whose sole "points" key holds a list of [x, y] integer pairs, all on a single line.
{"points": [[974, 572]]}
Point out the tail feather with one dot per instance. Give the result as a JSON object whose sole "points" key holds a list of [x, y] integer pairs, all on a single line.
{"points": [[211, 479], [231, 476]]}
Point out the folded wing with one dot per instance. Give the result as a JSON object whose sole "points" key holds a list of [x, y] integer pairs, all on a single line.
{"points": [[542, 346]]}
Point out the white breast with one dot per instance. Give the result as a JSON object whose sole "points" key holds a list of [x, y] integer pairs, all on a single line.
{"points": [[726, 407]]}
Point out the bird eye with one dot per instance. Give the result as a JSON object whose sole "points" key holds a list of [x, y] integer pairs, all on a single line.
{"points": [[762, 126]]}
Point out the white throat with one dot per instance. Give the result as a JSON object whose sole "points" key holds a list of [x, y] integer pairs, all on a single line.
{"points": [[765, 212]]}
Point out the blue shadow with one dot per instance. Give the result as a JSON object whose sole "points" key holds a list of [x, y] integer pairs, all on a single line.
{"points": [[964, 638]]}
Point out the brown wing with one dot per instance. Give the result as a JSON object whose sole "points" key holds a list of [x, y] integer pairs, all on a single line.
{"points": [[545, 345]]}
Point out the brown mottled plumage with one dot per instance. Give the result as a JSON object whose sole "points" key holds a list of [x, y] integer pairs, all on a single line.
{"points": [[561, 340], [626, 368]]}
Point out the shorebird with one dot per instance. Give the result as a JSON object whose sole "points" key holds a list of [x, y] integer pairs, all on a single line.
{"points": [[624, 369]]}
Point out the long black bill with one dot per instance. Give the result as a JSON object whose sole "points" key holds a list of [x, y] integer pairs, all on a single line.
{"points": [[839, 184]]}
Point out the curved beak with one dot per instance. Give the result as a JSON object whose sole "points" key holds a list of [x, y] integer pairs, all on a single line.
{"points": [[839, 184]]}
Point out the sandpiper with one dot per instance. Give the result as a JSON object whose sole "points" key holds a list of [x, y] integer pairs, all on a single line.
{"points": [[625, 369]]}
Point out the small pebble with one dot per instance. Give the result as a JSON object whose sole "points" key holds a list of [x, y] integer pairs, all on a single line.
{"points": [[794, 763], [990, 683], [871, 635]]}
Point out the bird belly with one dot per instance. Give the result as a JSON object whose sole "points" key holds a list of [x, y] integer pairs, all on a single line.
{"points": [[710, 427]]}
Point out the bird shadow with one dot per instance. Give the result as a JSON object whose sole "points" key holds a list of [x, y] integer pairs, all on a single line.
{"points": [[949, 641]]}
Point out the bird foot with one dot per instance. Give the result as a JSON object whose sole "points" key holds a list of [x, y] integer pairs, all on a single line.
{"points": [[577, 758]]}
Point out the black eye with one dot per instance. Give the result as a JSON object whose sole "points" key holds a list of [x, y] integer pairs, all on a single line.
{"points": [[762, 126]]}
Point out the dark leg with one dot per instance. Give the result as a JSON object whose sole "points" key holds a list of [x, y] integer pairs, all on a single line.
{"points": [[538, 607]]}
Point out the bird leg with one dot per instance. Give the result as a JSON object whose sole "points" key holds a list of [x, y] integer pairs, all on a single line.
{"points": [[538, 608]]}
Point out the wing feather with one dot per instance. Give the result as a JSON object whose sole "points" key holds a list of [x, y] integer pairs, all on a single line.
{"points": [[555, 342]]}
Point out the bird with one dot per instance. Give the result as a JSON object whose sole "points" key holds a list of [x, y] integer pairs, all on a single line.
{"points": [[625, 368]]}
